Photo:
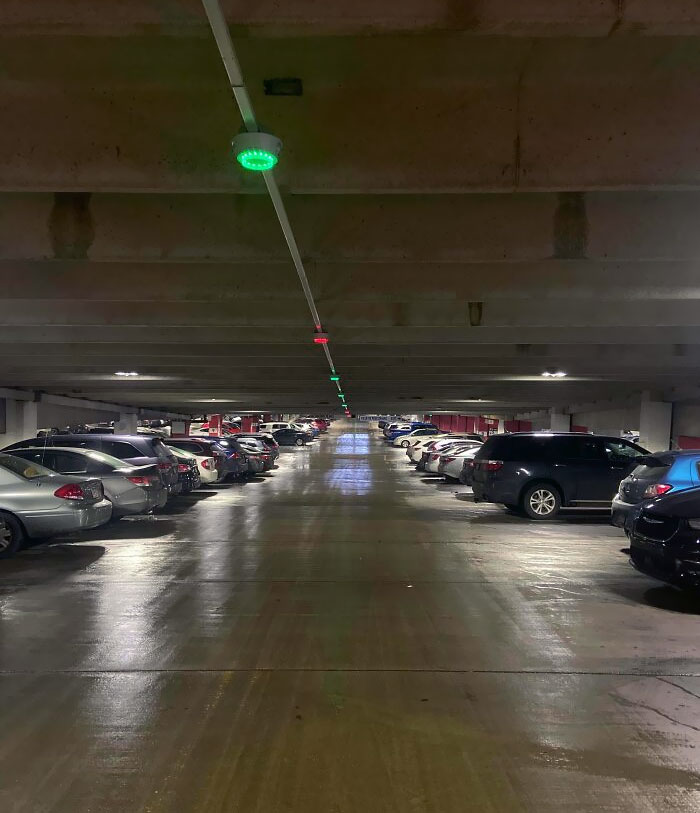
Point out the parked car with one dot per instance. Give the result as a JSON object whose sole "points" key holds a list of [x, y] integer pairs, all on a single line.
{"points": [[206, 465], [269, 443], [36, 502], [539, 473], [137, 450], [187, 470], [309, 428], [655, 475], [256, 447], [130, 489], [270, 427], [440, 445], [435, 459], [404, 440], [664, 538], [228, 459], [290, 437], [416, 448], [452, 463]]}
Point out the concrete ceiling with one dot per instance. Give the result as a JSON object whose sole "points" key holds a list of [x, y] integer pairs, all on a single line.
{"points": [[480, 190]]}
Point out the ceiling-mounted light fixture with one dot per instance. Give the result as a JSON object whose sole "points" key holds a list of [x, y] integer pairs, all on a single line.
{"points": [[124, 374], [335, 378], [256, 152], [320, 336], [553, 374]]}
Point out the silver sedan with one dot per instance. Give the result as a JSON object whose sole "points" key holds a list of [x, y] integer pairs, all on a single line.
{"points": [[130, 489], [36, 502]]}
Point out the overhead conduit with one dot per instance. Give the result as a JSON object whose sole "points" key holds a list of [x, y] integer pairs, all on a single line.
{"points": [[219, 28]]}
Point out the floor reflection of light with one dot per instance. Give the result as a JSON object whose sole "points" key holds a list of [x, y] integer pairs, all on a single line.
{"points": [[351, 476], [351, 443]]}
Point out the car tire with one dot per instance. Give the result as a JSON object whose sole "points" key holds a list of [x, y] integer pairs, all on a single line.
{"points": [[299, 442], [541, 501], [405, 444], [12, 535]]}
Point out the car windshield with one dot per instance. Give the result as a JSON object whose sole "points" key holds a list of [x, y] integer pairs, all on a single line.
{"points": [[29, 471]]}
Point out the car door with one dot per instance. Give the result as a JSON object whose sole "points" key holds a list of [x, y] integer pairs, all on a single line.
{"points": [[581, 468]]}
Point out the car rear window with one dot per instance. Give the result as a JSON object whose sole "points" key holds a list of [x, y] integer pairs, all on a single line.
{"points": [[648, 472], [515, 447], [25, 469], [120, 449]]}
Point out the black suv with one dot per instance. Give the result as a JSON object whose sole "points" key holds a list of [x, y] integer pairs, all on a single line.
{"points": [[539, 473], [138, 450]]}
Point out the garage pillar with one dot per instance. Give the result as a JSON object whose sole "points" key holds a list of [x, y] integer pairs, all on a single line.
{"points": [[559, 421], [655, 425], [20, 421], [501, 426], [127, 424]]}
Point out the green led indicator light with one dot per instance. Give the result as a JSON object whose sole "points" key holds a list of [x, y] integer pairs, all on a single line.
{"points": [[335, 378], [256, 160]]}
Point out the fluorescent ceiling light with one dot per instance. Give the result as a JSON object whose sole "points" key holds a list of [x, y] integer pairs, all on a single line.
{"points": [[124, 374], [554, 374]]}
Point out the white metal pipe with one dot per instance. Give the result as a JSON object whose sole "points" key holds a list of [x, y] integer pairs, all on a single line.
{"points": [[222, 35]]}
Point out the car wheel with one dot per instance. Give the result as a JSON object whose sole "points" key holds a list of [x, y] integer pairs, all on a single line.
{"points": [[405, 444], [299, 442], [541, 501], [11, 535]]}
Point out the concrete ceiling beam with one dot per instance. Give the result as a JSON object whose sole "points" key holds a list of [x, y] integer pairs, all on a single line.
{"points": [[633, 124]]}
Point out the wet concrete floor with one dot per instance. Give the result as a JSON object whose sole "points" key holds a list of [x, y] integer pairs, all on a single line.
{"points": [[345, 634]]}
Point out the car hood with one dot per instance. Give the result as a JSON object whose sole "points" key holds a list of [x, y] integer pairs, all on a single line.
{"points": [[684, 504]]}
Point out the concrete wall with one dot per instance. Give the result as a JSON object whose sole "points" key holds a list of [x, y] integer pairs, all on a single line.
{"points": [[608, 421], [60, 415]]}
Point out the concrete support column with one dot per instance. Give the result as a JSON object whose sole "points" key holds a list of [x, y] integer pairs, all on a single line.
{"points": [[655, 425], [20, 421], [127, 424], [559, 421], [501, 426]]}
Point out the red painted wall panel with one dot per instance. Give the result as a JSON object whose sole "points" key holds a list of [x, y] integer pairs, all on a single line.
{"points": [[688, 442]]}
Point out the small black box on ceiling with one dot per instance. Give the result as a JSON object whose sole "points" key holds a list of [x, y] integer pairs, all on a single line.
{"points": [[283, 86]]}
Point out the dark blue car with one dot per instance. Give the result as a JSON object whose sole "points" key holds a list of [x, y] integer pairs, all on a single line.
{"points": [[655, 475]]}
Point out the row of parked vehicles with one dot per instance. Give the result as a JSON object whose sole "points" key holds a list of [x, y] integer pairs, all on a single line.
{"points": [[653, 496], [61, 483]]}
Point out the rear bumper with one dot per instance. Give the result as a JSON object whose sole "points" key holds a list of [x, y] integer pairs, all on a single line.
{"points": [[494, 492], [66, 519], [679, 568], [619, 512]]}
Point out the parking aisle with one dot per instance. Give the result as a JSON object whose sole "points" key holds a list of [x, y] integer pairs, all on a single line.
{"points": [[344, 634]]}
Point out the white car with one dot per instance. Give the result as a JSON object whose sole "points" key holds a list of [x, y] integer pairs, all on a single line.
{"points": [[205, 465], [433, 461], [272, 426], [441, 442], [451, 463], [415, 449], [406, 440]]}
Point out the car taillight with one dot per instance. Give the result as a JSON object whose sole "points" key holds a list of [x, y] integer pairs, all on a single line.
{"points": [[208, 464], [491, 465], [140, 480], [70, 491], [657, 490], [183, 467]]}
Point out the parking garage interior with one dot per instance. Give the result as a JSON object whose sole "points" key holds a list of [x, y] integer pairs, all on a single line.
{"points": [[477, 219]]}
